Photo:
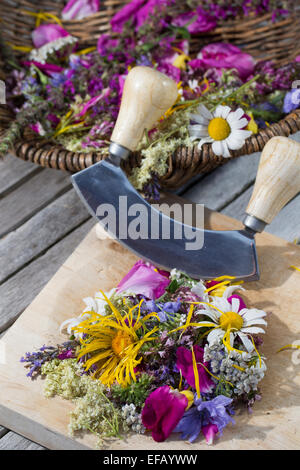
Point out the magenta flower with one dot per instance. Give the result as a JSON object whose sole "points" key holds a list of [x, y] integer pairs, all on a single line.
{"points": [[125, 14], [105, 43], [146, 10], [199, 21], [144, 279], [78, 9], [227, 56], [46, 33], [90, 103], [184, 364], [162, 411], [49, 69]]}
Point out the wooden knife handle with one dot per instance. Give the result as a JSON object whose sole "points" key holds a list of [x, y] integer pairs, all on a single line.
{"points": [[147, 95], [278, 179]]}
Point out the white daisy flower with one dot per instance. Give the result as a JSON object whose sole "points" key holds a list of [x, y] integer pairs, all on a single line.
{"points": [[96, 305], [225, 318], [223, 129]]}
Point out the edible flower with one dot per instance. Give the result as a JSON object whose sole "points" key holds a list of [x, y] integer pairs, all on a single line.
{"points": [[209, 416], [46, 33], [223, 128], [185, 365], [144, 279], [162, 411], [79, 9], [113, 343]]}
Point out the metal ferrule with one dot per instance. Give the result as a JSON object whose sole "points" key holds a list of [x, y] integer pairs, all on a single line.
{"points": [[118, 152], [254, 224]]}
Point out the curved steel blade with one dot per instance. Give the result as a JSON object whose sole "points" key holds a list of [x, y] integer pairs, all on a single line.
{"points": [[223, 253]]}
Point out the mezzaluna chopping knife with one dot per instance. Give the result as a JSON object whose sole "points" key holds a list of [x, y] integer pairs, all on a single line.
{"points": [[147, 96]]}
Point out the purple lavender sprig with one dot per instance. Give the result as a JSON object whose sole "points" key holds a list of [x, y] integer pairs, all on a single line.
{"points": [[35, 360]]}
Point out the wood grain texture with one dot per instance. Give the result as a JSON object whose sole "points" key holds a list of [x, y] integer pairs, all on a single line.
{"points": [[278, 178], [147, 95], [17, 293], [285, 225], [275, 421], [13, 172], [40, 232], [25, 201], [12, 441], [222, 186]]}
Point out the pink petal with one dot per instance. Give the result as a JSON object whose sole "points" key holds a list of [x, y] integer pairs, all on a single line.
{"points": [[125, 14], [184, 363], [209, 433], [143, 279], [47, 33], [162, 412], [78, 9]]}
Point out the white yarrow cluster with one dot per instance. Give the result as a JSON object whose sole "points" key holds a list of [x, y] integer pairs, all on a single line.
{"points": [[133, 418], [40, 55], [222, 364]]}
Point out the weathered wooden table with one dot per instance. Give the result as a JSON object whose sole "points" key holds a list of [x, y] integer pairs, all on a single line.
{"points": [[42, 221]]}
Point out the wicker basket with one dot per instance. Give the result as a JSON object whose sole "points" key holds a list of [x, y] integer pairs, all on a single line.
{"points": [[258, 36]]}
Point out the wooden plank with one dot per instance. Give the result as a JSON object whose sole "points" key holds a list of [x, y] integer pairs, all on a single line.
{"points": [[40, 232], [12, 441], [220, 187], [18, 206], [20, 290], [275, 421], [13, 172], [285, 225]]}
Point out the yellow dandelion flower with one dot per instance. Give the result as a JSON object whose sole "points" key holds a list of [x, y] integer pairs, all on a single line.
{"points": [[112, 343]]}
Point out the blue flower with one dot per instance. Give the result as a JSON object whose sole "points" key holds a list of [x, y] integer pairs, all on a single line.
{"points": [[209, 416], [291, 100], [165, 311]]}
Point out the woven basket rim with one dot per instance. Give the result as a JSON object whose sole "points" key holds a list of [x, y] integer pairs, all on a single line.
{"points": [[185, 161]]}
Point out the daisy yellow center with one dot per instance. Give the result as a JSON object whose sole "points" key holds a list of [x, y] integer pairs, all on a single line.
{"points": [[232, 319], [120, 342], [219, 129]]}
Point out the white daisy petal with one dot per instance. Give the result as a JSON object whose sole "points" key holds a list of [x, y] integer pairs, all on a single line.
{"points": [[240, 124], [204, 112], [242, 134], [233, 142], [235, 115], [198, 130], [210, 314], [246, 342], [252, 329], [231, 289], [252, 313], [217, 147], [199, 119], [205, 140], [222, 111], [257, 321], [235, 304], [215, 336]]}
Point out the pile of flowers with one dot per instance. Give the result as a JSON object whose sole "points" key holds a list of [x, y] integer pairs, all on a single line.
{"points": [[72, 95], [161, 353]]}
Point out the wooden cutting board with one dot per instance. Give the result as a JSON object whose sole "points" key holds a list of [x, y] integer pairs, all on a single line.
{"points": [[96, 265]]}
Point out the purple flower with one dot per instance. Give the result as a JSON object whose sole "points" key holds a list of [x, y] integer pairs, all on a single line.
{"points": [[184, 364], [227, 56], [79, 9], [125, 14], [105, 44], [144, 279], [209, 416], [291, 100], [199, 21], [236, 296], [165, 311], [68, 354], [46, 33], [162, 411]]}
